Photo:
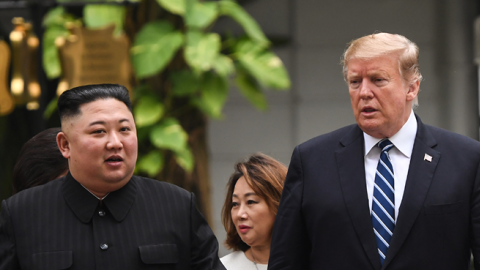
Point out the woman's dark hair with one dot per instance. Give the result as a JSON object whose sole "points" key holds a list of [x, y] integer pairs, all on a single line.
{"points": [[266, 177], [39, 161]]}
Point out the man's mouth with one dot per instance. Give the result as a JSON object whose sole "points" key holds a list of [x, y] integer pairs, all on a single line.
{"points": [[368, 110], [114, 159]]}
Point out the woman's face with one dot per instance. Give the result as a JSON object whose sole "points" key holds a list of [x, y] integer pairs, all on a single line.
{"points": [[251, 215]]}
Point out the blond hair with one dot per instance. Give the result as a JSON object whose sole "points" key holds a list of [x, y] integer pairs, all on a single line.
{"points": [[380, 44]]}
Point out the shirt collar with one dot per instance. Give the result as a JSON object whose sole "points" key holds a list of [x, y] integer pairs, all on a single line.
{"points": [[403, 139], [83, 204]]}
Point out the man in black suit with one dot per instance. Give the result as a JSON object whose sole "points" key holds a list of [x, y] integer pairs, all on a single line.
{"points": [[348, 204], [100, 216]]}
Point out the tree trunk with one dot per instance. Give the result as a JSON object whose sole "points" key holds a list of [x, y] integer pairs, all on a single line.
{"points": [[192, 120]]}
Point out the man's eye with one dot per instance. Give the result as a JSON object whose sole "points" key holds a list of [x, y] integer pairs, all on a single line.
{"points": [[380, 81], [354, 83], [125, 129], [98, 131]]}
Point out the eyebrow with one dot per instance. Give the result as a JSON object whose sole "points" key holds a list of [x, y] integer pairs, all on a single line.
{"points": [[246, 195], [103, 122]]}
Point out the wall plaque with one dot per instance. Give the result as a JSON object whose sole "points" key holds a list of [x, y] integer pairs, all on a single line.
{"points": [[93, 57]]}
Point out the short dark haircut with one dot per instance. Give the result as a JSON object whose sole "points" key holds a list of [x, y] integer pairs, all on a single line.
{"points": [[39, 161], [70, 101], [266, 176]]}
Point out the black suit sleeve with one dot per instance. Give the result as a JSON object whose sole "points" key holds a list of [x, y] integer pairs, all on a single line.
{"points": [[290, 246], [204, 243], [8, 253]]}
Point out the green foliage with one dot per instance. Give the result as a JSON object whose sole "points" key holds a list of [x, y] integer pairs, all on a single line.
{"points": [[236, 12], [202, 50], [173, 6], [223, 65], [169, 134], [54, 22], [201, 15], [51, 108], [250, 89], [154, 47], [264, 65], [147, 111], [185, 159], [184, 83], [213, 95], [97, 16], [151, 163], [195, 65], [51, 62]]}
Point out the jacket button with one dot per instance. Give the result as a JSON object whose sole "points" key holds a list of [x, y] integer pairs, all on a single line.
{"points": [[101, 213], [104, 246]]}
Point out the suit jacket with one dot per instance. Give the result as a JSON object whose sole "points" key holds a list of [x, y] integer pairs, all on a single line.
{"points": [[324, 220], [146, 224]]}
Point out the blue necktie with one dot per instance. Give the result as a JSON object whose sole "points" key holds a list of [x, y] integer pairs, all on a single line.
{"points": [[383, 204]]}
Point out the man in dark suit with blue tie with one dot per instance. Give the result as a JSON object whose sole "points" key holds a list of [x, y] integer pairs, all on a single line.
{"points": [[101, 216], [388, 192]]}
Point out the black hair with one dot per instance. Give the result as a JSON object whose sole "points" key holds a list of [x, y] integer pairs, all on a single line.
{"points": [[70, 101], [39, 161]]}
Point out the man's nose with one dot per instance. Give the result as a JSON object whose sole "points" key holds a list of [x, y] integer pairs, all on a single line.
{"points": [[366, 89], [114, 141]]}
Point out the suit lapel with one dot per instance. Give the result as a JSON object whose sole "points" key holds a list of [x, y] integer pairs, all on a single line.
{"points": [[420, 174], [351, 168]]}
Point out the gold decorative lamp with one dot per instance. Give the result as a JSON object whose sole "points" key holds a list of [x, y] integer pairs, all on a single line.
{"points": [[6, 101], [24, 86]]}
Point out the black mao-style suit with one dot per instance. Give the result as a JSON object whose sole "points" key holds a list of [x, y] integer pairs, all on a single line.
{"points": [[324, 220], [146, 224]]}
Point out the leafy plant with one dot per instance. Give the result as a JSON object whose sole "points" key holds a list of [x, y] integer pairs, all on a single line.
{"points": [[183, 71]]}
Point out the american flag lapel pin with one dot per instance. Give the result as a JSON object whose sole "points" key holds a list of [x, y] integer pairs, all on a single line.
{"points": [[427, 157]]}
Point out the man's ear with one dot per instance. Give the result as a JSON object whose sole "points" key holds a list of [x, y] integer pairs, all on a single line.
{"points": [[413, 89], [63, 144]]}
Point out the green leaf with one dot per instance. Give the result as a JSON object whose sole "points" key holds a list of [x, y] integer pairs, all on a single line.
{"points": [[169, 134], [152, 163], [250, 90], [185, 159], [202, 50], [173, 6], [223, 65], [147, 111], [57, 17], [54, 17], [201, 15], [250, 26], [51, 108], [51, 60], [266, 67], [185, 82], [154, 47], [96, 16], [213, 96], [247, 46]]}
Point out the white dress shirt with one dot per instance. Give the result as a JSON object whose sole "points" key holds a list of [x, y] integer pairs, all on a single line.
{"points": [[400, 157]]}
